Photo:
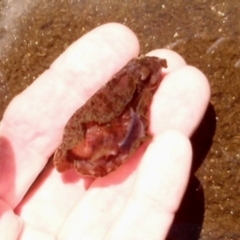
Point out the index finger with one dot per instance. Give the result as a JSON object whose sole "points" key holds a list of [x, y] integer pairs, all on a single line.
{"points": [[32, 125]]}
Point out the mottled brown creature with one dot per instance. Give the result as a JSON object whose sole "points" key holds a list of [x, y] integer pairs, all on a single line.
{"points": [[103, 133]]}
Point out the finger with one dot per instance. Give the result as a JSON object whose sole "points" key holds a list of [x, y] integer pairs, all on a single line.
{"points": [[182, 98], [160, 183], [34, 121], [174, 60]]}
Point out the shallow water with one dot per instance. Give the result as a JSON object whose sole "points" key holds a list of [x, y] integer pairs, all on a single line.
{"points": [[206, 33]]}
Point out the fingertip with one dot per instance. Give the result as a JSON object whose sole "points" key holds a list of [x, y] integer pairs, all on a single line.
{"points": [[114, 28], [181, 101], [111, 43], [200, 80], [174, 60], [170, 138]]}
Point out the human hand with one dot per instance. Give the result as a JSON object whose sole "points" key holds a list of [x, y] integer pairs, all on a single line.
{"points": [[138, 201]]}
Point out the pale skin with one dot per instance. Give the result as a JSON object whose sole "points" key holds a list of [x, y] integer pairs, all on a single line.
{"points": [[140, 199]]}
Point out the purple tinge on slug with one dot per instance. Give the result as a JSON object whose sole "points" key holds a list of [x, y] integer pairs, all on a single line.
{"points": [[113, 123]]}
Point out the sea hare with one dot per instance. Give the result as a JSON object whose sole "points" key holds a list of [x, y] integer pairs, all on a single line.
{"points": [[113, 123]]}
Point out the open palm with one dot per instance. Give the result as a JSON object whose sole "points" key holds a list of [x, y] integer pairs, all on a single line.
{"points": [[139, 200]]}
